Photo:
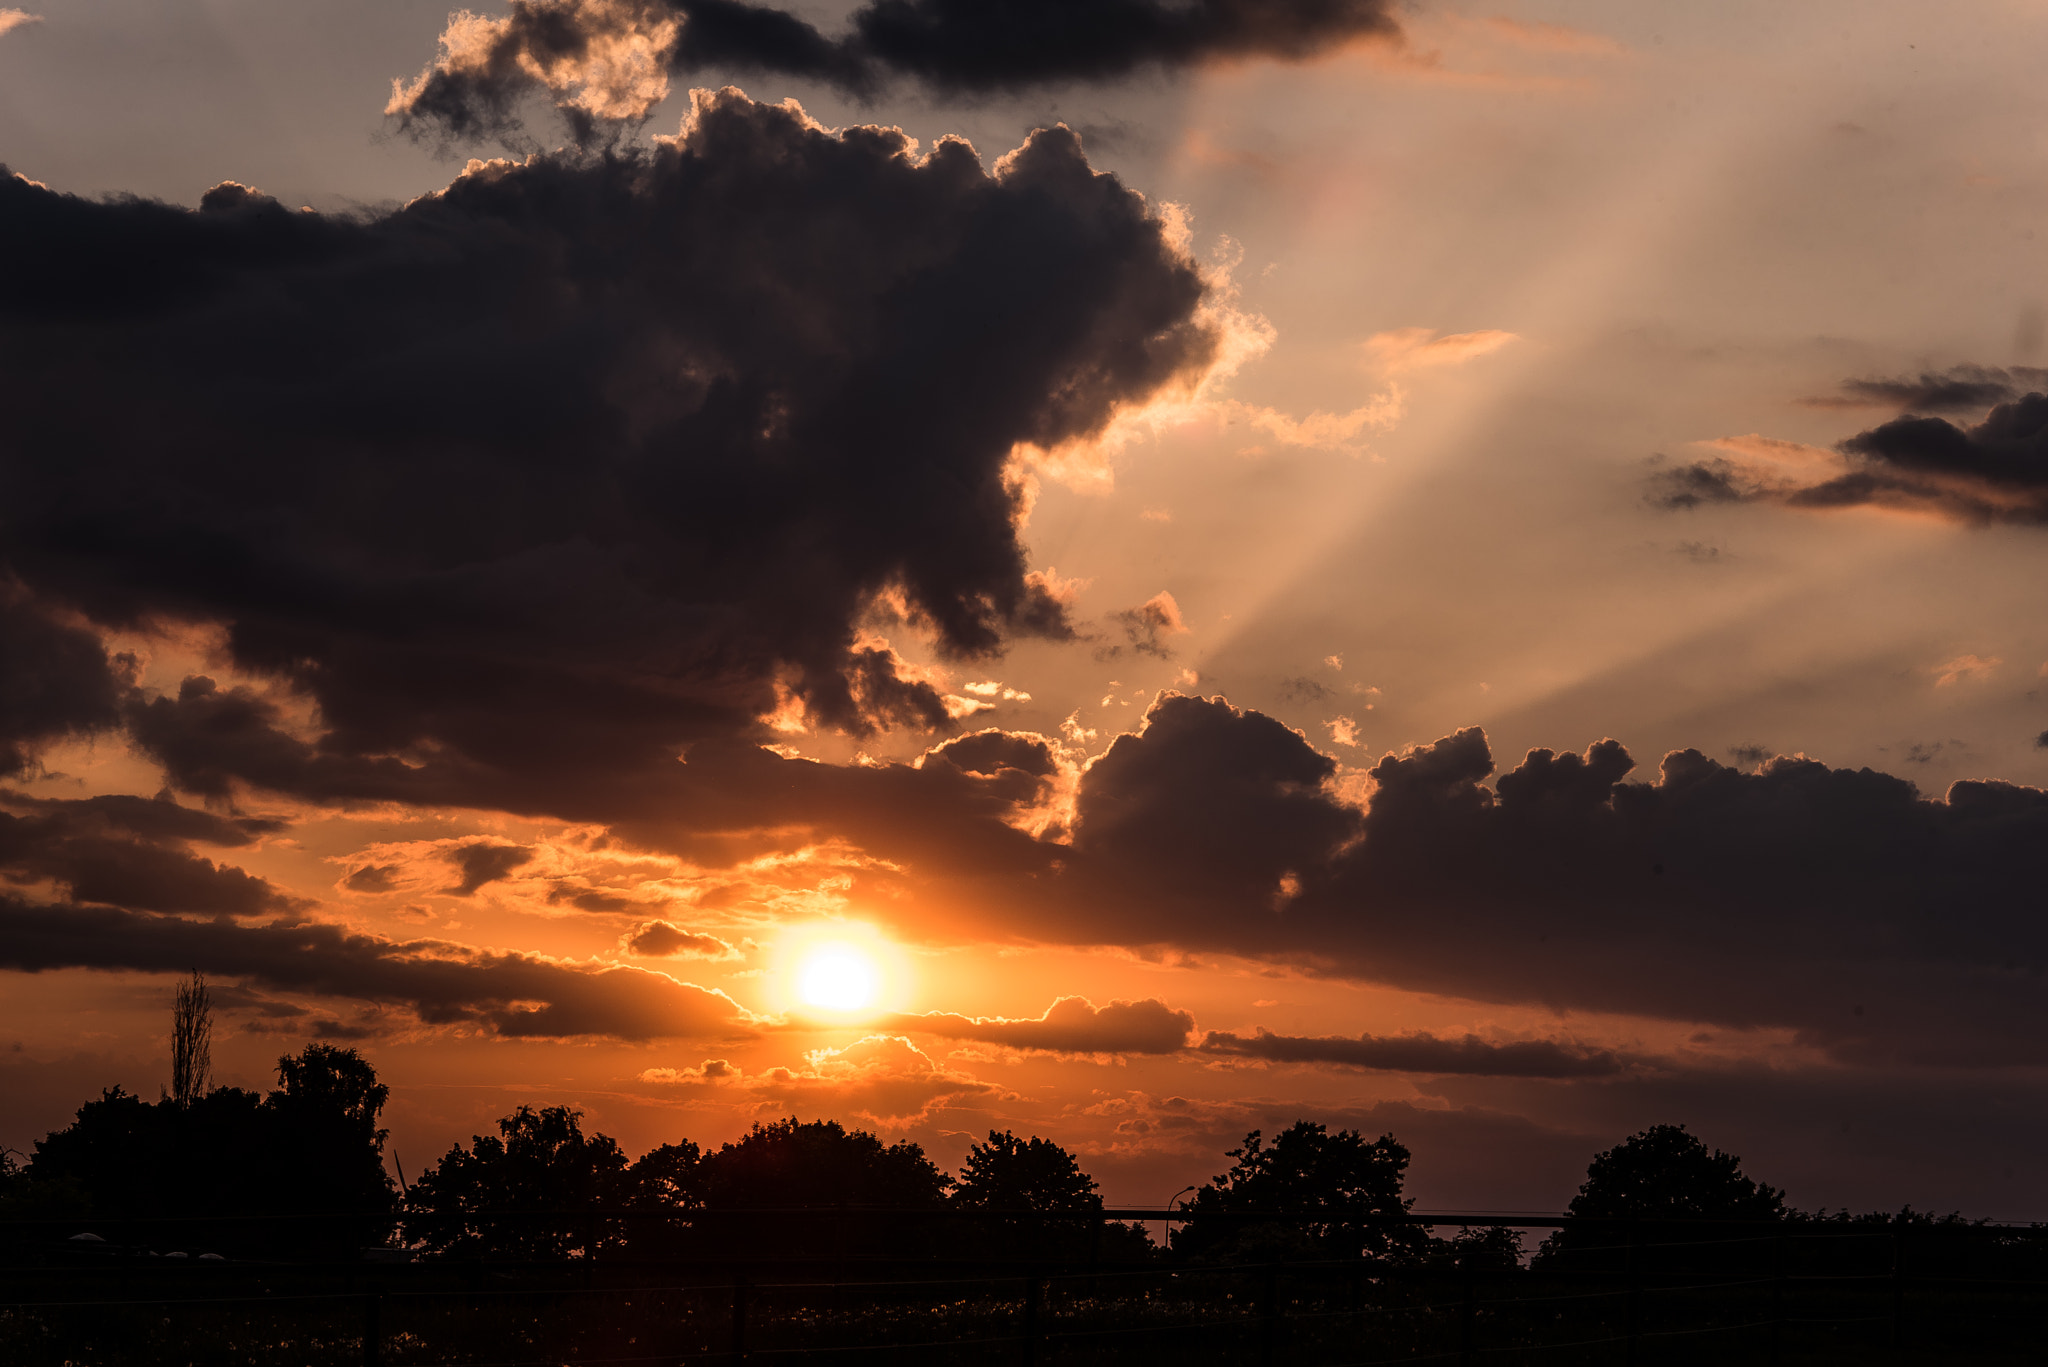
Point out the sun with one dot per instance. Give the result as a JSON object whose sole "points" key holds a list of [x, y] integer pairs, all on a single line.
{"points": [[837, 978]]}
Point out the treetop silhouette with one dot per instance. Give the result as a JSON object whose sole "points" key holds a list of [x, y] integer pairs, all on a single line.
{"points": [[1341, 1179], [1666, 1185], [1008, 1173]]}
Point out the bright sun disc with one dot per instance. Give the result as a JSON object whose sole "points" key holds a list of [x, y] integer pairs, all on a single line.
{"points": [[837, 979]]}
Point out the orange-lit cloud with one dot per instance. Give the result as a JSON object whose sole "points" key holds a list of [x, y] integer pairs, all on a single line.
{"points": [[1974, 668], [1546, 37], [884, 1077], [1390, 355], [1071, 1025]]}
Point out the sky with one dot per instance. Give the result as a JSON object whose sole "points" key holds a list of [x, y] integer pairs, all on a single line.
{"points": [[1122, 571]]}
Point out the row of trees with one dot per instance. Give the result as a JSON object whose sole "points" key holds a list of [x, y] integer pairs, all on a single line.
{"points": [[541, 1188]]}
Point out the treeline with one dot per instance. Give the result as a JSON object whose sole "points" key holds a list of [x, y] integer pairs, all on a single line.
{"points": [[543, 1189]]}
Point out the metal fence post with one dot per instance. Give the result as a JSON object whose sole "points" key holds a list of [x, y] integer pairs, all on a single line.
{"points": [[1468, 1315], [1635, 1292], [373, 1330], [1898, 1283], [1778, 1303], [1032, 1290], [739, 1317], [1270, 1330]]}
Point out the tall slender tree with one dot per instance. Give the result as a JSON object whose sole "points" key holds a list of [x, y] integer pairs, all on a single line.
{"points": [[191, 1041]]}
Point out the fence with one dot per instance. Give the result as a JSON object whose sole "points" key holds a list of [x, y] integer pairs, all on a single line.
{"points": [[1636, 1294]]}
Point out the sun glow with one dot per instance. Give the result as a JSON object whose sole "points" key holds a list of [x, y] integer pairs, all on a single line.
{"points": [[837, 978], [835, 973]]}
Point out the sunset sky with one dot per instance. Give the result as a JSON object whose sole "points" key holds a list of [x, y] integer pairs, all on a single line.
{"points": [[1124, 570]]}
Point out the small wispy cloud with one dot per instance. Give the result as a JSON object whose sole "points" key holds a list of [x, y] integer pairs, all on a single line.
{"points": [[12, 19], [1973, 668]]}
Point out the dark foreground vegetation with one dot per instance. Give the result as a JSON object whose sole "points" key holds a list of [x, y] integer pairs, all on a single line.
{"points": [[219, 1226]]}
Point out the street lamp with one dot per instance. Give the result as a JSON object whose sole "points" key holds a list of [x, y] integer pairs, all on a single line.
{"points": [[1169, 1213]]}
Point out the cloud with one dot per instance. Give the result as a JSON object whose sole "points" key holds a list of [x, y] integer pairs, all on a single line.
{"points": [[12, 19], [1301, 688], [659, 939], [1975, 668], [606, 63], [485, 861], [1960, 388], [1018, 765], [883, 1077], [134, 852], [594, 455], [1145, 628], [1996, 471], [513, 995], [1206, 806], [55, 680], [1420, 1053], [1071, 1025], [1867, 921], [1391, 355], [1545, 37], [1406, 349], [713, 1070]]}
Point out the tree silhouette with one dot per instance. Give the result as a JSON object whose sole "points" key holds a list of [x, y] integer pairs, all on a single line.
{"points": [[820, 1165], [538, 1166], [1012, 1174], [310, 1147], [1661, 1186], [191, 1041], [324, 1116], [1338, 1180], [817, 1163], [1488, 1248], [1008, 1173]]}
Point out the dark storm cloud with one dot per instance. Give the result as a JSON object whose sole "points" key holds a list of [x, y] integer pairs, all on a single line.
{"points": [[993, 753], [660, 940], [55, 680], [1959, 389], [1700, 482], [1071, 1025], [1995, 471], [371, 878], [606, 62], [484, 861], [1419, 1053], [1301, 688], [1843, 905], [157, 818], [1207, 805], [1018, 767], [133, 852], [511, 994], [542, 478], [1145, 629]]}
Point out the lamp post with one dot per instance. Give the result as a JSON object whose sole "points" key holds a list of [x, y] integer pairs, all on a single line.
{"points": [[1169, 1213]]}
